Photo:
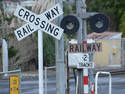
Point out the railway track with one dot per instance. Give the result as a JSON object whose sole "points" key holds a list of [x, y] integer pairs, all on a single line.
{"points": [[114, 71]]}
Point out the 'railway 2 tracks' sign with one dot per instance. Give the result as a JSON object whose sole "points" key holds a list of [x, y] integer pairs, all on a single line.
{"points": [[78, 54]]}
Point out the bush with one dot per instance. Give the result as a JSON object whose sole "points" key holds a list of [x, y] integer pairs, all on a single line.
{"points": [[12, 52]]}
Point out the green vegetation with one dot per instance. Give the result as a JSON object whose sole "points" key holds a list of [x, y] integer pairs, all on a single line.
{"points": [[12, 52], [67, 9], [10, 35], [1, 7], [114, 9], [8, 19], [15, 0], [48, 50]]}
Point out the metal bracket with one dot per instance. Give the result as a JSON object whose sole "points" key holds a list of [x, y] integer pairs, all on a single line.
{"points": [[88, 14]]}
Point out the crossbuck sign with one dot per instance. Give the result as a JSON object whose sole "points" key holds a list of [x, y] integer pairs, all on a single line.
{"points": [[35, 22]]}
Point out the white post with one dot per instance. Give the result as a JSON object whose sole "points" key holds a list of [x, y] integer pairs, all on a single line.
{"points": [[77, 83], [4, 56], [110, 84], [46, 80], [40, 60], [96, 82], [85, 78]]}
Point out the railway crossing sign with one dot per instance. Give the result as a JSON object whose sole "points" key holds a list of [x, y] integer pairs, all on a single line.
{"points": [[35, 22]]}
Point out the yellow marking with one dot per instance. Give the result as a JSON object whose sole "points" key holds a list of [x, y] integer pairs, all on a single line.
{"points": [[14, 84]]}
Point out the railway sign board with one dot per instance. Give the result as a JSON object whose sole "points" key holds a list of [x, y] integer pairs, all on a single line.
{"points": [[79, 60], [78, 54], [84, 48], [35, 22]]}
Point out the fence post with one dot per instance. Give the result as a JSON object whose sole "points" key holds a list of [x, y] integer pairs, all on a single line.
{"points": [[20, 81], [45, 80], [96, 81]]}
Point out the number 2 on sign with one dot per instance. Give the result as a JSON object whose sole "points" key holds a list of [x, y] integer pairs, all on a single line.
{"points": [[85, 58]]}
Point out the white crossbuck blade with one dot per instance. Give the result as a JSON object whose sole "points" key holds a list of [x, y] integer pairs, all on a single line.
{"points": [[35, 22]]}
